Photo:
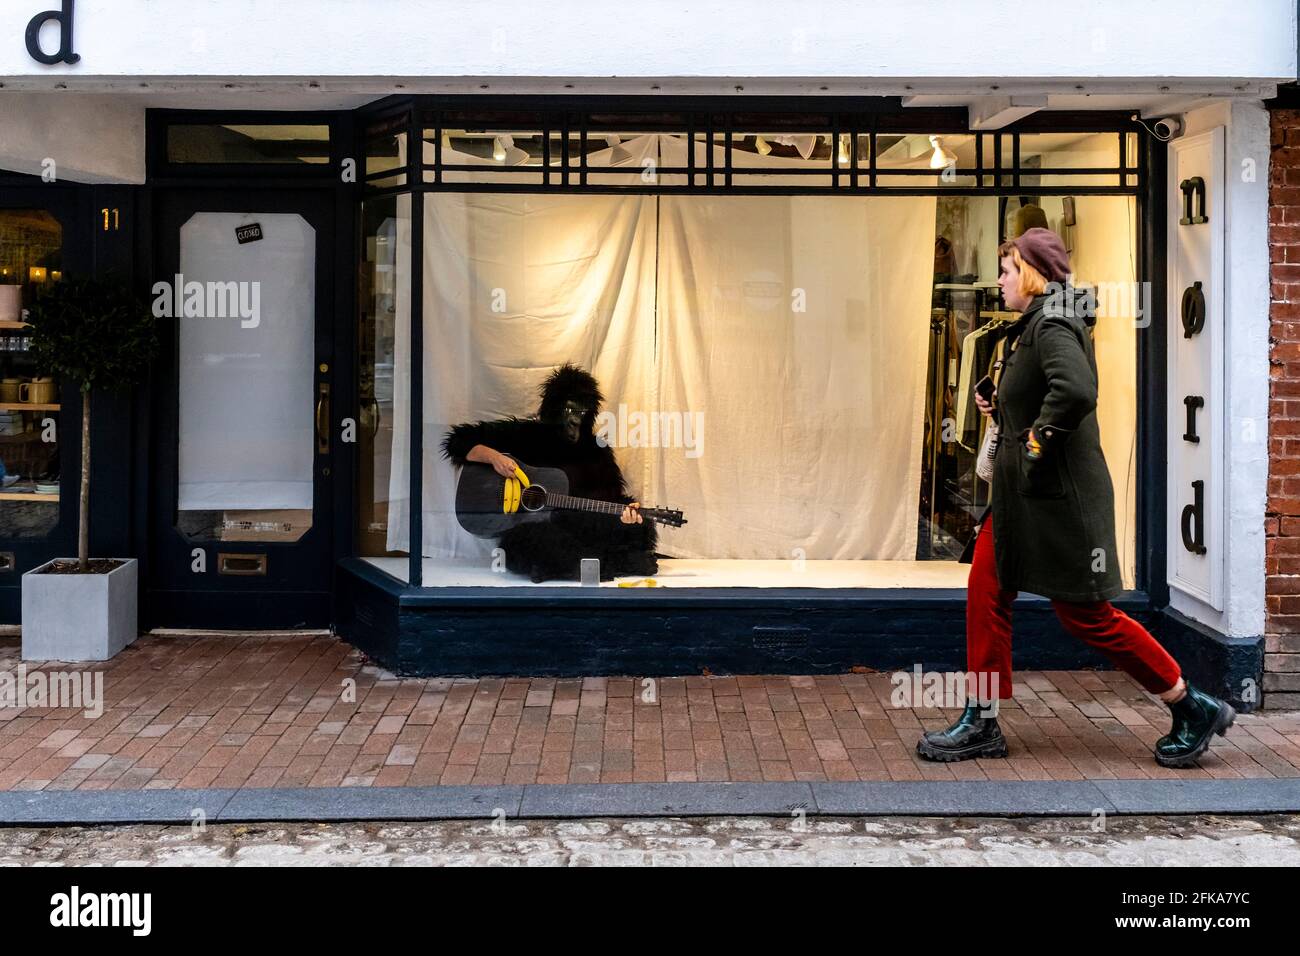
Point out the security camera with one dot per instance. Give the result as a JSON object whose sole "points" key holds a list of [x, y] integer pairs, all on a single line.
{"points": [[1169, 127]]}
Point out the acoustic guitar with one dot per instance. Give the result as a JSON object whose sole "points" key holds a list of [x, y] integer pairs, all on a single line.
{"points": [[487, 505]]}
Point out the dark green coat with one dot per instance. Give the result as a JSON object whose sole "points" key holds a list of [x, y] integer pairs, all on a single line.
{"points": [[1054, 517]]}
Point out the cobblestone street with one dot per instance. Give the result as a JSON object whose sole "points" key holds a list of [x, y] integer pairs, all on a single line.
{"points": [[1209, 841]]}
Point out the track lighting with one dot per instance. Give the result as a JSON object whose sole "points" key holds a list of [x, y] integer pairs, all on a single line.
{"points": [[941, 157], [804, 144]]}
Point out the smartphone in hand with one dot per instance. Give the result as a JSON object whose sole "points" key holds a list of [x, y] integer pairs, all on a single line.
{"points": [[984, 389]]}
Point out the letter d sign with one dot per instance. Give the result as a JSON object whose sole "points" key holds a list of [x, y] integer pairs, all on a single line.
{"points": [[64, 18]]}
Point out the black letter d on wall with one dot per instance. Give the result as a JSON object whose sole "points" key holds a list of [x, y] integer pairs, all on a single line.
{"points": [[65, 53]]}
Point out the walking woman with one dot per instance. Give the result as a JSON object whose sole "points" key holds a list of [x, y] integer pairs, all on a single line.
{"points": [[1051, 530]]}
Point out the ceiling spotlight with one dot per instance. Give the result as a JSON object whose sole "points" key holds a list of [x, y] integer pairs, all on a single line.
{"points": [[941, 158], [762, 146], [804, 144], [499, 146]]}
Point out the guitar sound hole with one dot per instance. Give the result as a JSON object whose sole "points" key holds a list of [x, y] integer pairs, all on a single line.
{"points": [[533, 497]]}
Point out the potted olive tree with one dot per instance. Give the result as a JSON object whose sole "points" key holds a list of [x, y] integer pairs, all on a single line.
{"points": [[89, 334]]}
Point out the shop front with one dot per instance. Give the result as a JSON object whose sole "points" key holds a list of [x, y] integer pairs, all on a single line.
{"points": [[781, 307], [769, 312]]}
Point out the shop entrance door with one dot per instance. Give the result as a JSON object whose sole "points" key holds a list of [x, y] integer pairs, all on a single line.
{"points": [[241, 488]]}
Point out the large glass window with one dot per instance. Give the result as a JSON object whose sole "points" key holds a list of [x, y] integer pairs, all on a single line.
{"points": [[384, 389], [793, 373], [786, 376], [966, 317], [31, 256]]}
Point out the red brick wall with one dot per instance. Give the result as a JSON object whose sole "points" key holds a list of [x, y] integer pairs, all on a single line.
{"points": [[1282, 519]]}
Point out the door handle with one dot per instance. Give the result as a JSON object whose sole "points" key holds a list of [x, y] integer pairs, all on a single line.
{"points": [[323, 418], [374, 430]]}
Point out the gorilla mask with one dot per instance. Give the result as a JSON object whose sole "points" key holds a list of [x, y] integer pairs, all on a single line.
{"points": [[570, 400]]}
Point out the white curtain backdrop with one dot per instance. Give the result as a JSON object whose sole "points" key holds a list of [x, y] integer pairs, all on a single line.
{"points": [[515, 285], [798, 327], [794, 330]]}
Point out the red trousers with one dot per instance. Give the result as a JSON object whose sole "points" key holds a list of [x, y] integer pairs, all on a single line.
{"points": [[1127, 643]]}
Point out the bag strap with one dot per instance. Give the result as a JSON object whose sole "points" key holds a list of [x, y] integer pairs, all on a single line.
{"points": [[999, 358], [1013, 332]]}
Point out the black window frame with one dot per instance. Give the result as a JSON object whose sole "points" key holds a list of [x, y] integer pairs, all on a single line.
{"points": [[162, 169], [719, 117], [723, 116]]}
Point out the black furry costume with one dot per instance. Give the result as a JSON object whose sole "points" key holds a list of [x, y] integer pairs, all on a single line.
{"points": [[550, 550]]}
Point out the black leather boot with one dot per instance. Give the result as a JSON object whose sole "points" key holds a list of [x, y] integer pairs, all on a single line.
{"points": [[1197, 718], [971, 736]]}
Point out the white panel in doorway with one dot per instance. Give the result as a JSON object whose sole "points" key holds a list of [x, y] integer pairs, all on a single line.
{"points": [[246, 399], [1195, 478]]}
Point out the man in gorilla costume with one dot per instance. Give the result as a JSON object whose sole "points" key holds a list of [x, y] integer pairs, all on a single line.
{"points": [[562, 436]]}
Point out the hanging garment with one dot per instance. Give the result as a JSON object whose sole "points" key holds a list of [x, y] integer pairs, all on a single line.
{"points": [[964, 382], [1005, 341], [989, 429], [976, 356]]}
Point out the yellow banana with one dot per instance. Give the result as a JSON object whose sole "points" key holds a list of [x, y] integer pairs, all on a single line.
{"points": [[510, 504]]}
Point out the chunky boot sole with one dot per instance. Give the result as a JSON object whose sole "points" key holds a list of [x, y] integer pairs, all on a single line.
{"points": [[987, 748], [1222, 722]]}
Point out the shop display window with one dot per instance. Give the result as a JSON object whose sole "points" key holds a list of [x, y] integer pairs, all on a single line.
{"points": [[786, 376], [31, 256], [385, 226]]}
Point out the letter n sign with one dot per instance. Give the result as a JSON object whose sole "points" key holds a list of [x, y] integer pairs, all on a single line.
{"points": [[63, 18], [1195, 512]]}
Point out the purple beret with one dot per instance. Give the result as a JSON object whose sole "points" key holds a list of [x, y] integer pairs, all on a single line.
{"points": [[1043, 249]]}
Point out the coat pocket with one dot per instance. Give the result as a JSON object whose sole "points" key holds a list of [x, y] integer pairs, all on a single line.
{"points": [[1039, 477]]}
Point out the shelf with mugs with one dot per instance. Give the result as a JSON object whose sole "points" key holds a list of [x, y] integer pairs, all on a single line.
{"points": [[38, 487], [20, 393]]}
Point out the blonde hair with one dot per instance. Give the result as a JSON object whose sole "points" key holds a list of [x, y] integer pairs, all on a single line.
{"points": [[1032, 282]]}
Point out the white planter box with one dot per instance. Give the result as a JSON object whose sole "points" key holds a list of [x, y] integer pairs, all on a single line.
{"points": [[79, 617]]}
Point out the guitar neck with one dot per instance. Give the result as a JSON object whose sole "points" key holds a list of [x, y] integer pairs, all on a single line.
{"points": [[570, 503]]}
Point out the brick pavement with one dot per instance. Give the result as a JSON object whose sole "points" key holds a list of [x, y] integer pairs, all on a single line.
{"points": [[276, 711]]}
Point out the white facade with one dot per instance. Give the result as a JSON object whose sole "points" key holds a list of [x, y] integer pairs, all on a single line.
{"points": [[865, 47], [1236, 445], [1211, 61], [999, 61]]}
